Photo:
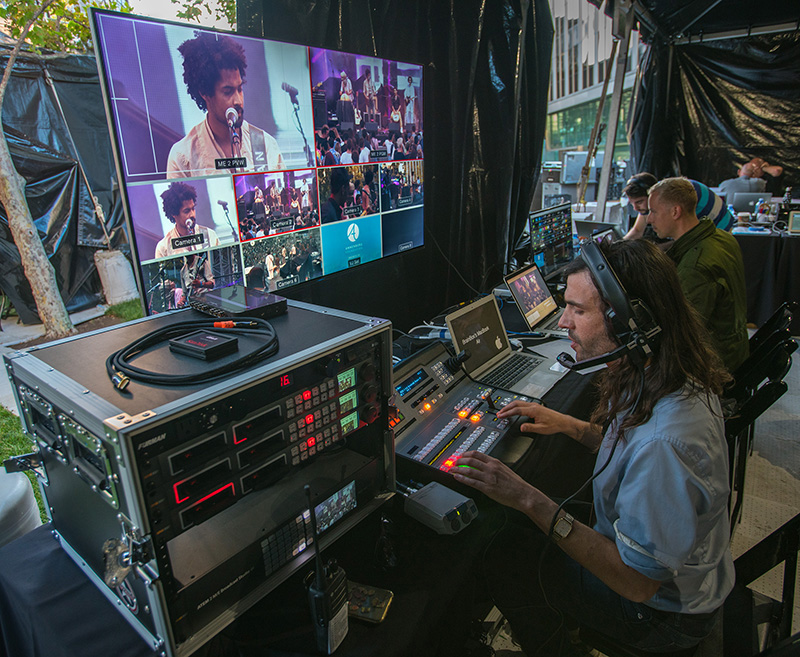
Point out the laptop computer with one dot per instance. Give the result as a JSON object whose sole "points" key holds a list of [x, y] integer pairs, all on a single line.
{"points": [[746, 201], [479, 329], [534, 300], [587, 228], [607, 235]]}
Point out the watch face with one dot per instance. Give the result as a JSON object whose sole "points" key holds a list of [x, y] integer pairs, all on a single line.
{"points": [[563, 526]]}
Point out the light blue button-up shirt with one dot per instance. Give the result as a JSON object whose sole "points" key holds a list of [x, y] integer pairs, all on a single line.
{"points": [[663, 499]]}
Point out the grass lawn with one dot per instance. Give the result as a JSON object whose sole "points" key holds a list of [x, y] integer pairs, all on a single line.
{"points": [[13, 443]]}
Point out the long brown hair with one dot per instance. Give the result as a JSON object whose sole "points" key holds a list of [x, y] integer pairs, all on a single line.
{"points": [[682, 352]]}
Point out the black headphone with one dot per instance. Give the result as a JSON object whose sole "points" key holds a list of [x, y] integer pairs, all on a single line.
{"points": [[633, 324]]}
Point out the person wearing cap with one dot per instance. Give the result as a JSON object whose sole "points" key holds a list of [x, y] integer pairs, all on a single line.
{"points": [[709, 206], [344, 107]]}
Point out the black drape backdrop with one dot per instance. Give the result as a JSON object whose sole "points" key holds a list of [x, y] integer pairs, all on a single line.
{"points": [[45, 146], [704, 108], [487, 66]]}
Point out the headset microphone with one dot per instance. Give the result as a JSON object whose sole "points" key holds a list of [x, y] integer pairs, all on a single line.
{"points": [[631, 320], [569, 362]]}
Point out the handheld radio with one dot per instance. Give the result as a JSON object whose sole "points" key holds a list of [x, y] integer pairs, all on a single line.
{"points": [[327, 595]]}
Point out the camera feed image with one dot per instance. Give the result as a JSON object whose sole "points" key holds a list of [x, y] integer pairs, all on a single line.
{"points": [[335, 507], [348, 192], [285, 260], [173, 218], [401, 185], [274, 203], [402, 230], [171, 284], [366, 109], [189, 102]]}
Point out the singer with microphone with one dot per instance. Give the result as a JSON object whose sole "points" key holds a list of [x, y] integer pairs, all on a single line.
{"points": [[654, 568], [214, 72], [179, 202]]}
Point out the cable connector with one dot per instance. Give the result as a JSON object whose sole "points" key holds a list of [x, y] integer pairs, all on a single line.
{"points": [[229, 324], [120, 381]]}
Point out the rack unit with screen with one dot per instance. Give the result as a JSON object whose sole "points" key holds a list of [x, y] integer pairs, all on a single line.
{"points": [[228, 156]]}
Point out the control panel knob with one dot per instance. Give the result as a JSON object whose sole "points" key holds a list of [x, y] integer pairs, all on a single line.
{"points": [[367, 372], [369, 414], [369, 393]]}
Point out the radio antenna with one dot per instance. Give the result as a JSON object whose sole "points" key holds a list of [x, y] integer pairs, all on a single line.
{"points": [[317, 557]]}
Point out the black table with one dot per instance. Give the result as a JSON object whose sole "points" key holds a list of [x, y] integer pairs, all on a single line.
{"points": [[49, 608], [772, 274]]}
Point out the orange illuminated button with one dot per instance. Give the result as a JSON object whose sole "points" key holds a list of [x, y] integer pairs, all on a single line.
{"points": [[427, 406]]}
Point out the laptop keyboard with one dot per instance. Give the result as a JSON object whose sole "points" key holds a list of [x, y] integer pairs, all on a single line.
{"points": [[512, 370]]}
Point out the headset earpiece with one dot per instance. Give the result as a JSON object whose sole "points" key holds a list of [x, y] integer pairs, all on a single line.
{"points": [[632, 322]]}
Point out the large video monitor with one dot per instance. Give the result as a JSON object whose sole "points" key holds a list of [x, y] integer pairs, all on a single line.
{"points": [[551, 238], [242, 159]]}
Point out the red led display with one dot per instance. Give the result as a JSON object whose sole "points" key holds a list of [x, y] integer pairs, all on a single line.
{"points": [[216, 492], [285, 380], [178, 499]]}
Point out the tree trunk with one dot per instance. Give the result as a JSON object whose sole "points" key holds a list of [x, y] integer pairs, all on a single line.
{"points": [[35, 263]]}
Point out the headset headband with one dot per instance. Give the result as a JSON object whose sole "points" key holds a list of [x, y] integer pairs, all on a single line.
{"points": [[631, 320]]}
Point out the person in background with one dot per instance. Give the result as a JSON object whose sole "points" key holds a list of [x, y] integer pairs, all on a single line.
{"points": [[709, 206], [747, 181], [772, 174], [710, 267]]}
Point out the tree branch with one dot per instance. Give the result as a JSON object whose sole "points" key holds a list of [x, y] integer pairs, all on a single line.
{"points": [[13, 56]]}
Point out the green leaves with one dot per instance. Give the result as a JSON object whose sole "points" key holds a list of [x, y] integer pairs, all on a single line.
{"points": [[193, 10], [63, 27]]}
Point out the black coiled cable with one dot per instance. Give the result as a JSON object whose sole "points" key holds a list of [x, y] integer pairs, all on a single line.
{"points": [[121, 371]]}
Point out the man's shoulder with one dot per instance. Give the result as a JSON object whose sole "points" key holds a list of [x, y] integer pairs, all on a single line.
{"points": [[717, 249], [686, 406]]}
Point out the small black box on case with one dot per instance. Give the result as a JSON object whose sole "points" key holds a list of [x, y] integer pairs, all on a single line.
{"points": [[205, 345]]}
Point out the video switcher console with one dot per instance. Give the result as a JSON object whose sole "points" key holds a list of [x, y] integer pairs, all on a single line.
{"points": [[438, 415]]}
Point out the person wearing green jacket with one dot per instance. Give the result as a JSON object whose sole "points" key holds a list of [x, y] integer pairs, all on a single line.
{"points": [[710, 266]]}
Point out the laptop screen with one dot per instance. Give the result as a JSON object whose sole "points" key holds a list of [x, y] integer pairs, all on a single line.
{"points": [[607, 235], [533, 298], [479, 329]]}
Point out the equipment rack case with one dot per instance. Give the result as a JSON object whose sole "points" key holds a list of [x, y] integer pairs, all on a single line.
{"points": [[185, 505]]}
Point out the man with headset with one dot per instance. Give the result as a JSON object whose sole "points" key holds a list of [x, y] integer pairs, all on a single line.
{"points": [[654, 568]]}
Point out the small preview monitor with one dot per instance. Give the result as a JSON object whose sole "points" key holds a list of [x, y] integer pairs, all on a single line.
{"points": [[551, 237]]}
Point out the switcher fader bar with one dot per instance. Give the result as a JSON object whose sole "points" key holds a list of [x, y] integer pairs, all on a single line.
{"points": [[438, 415]]}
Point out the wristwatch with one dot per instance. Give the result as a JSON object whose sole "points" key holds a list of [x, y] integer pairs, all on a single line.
{"points": [[562, 527]]}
